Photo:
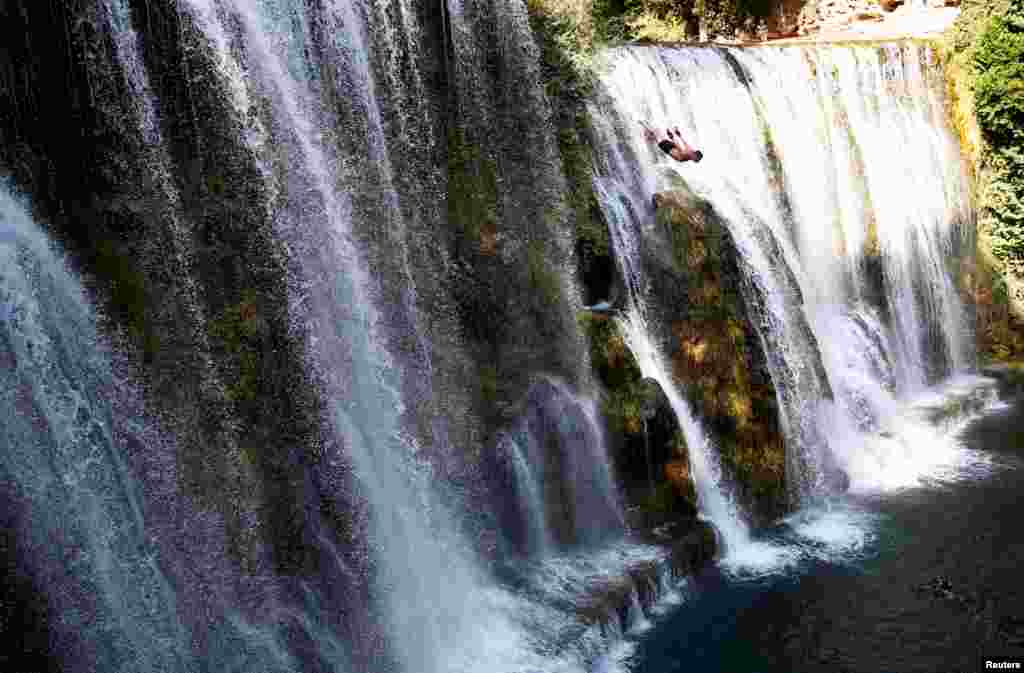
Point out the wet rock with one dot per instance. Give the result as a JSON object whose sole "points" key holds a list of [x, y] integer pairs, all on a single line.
{"points": [[692, 546], [715, 348]]}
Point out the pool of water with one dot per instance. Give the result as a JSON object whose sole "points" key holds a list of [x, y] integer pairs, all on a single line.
{"points": [[929, 578]]}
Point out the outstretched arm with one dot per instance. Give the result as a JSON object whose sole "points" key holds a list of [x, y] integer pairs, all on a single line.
{"points": [[648, 131], [677, 137]]}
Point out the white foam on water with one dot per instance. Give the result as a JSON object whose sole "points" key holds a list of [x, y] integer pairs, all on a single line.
{"points": [[638, 622], [833, 531], [568, 576], [912, 448], [617, 660], [759, 558]]}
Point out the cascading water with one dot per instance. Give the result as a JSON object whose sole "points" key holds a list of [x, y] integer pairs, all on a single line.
{"points": [[624, 193], [333, 132], [849, 272], [66, 487], [431, 588], [562, 482], [321, 172], [713, 496], [442, 613]]}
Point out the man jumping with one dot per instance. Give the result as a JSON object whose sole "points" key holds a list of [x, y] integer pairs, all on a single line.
{"points": [[672, 144]]}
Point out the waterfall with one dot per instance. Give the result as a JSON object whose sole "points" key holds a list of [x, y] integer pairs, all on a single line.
{"points": [[430, 587], [624, 191], [562, 480], [393, 460], [355, 300], [713, 496], [66, 488], [850, 246]]}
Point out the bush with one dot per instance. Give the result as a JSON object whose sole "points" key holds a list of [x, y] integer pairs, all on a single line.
{"points": [[997, 61], [998, 58], [988, 42], [987, 83]]}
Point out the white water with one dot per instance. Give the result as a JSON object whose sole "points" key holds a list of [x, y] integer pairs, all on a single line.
{"points": [[436, 606], [713, 497], [833, 117], [64, 481], [442, 613], [561, 429]]}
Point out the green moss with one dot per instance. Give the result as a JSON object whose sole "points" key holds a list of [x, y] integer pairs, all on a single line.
{"points": [[236, 330], [618, 371], [216, 184], [715, 353], [609, 355], [568, 35], [472, 191], [488, 383], [127, 295], [248, 456], [544, 280]]}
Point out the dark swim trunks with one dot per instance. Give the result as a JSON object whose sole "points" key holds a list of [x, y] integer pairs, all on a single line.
{"points": [[666, 146]]}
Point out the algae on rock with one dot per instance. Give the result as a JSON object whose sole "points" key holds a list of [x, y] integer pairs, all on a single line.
{"points": [[717, 356]]}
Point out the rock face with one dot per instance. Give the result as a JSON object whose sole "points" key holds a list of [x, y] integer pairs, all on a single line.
{"points": [[612, 602], [694, 287], [715, 350], [643, 437]]}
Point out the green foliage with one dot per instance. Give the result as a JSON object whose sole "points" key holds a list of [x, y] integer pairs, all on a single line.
{"points": [[488, 383], [650, 27], [618, 371], [608, 352], [989, 41], [678, 20], [610, 20], [998, 58]]}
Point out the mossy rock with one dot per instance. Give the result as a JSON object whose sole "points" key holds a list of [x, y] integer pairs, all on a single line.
{"points": [[718, 356]]}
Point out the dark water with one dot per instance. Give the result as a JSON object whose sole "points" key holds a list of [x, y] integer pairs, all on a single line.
{"points": [[939, 584]]}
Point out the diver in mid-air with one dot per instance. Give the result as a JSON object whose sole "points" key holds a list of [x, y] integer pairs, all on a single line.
{"points": [[671, 143]]}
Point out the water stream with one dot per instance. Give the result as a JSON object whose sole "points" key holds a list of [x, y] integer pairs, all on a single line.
{"points": [[851, 281], [459, 512]]}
